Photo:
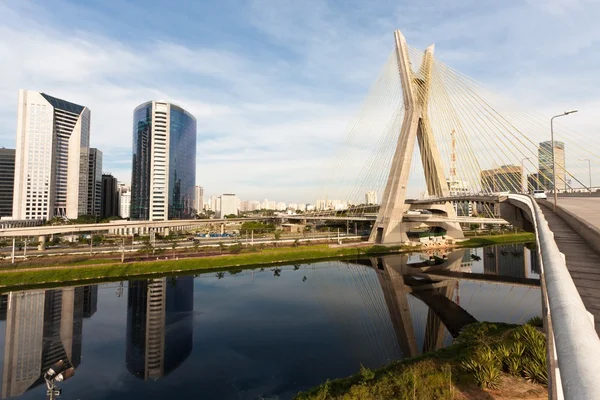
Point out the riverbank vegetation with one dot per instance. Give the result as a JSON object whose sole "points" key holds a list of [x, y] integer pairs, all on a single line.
{"points": [[150, 260], [486, 361]]}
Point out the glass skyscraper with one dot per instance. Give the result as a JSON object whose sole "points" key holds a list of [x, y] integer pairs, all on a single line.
{"points": [[164, 162]]}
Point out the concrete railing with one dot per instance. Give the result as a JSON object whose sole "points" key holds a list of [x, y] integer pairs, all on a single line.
{"points": [[573, 344]]}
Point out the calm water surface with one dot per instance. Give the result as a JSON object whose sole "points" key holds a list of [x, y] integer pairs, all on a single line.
{"points": [[255, 334]]}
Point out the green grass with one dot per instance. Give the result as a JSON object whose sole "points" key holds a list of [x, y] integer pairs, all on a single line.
{"points": [[436, 375], [16, 278], [481, 241], [111, 269]]}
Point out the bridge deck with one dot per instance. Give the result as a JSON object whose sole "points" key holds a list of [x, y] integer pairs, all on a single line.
{"points": [[582, 261]]}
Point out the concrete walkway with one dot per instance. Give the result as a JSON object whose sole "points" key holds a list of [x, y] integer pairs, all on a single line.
{"points": [[583, 262], [586, 208]]}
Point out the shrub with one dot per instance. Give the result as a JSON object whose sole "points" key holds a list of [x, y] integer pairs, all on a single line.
{"points": [[536, 321]]}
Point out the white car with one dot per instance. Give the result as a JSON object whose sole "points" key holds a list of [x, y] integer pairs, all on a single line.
{"points": [[539, 194]]}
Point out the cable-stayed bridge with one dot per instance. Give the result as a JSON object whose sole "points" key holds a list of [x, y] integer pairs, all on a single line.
{"points": [[430, 133]]}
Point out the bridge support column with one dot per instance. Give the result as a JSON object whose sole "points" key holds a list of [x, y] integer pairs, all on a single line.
{"points": [[416, 127], [166, 231], [42, 242], [222, 229]]}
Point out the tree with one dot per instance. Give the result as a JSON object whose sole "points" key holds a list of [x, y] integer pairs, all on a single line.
{"points": [[231, 216], [221, 247], [277, 236], [173, 246], [196, 246], [296, 243], [147, 248]]}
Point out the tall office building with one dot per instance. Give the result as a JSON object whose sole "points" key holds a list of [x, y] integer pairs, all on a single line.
{"points": [[124, 200], [7, 181], [164, 162], [159, 325], [545, 165], [507, 178], [51, 162], [95, 182], [110, 197], [199, 199], [228, 204], [371, 197]]}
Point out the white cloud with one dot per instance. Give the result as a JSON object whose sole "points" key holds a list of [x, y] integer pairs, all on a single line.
{"points": [[277, 111]]}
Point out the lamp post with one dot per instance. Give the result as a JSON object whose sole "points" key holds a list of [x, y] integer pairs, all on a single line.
{"points": [[524, 174], [553, 158], [589, 171]]}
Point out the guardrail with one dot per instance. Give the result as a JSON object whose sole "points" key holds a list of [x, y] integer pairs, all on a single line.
{"points": [[573, 343]]}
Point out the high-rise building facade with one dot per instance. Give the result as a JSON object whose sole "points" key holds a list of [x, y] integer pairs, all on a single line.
{"points": [[198, 199], [94, 183], [371, 197], [124, 200], [110, 197], [545, 165], [51, 161], [7, 181], [507, 178], [228, 205], [164, 162]]}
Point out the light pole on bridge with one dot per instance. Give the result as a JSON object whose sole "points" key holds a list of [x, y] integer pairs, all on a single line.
{"points": [[589, 171], [553, 154], [524, 174]]}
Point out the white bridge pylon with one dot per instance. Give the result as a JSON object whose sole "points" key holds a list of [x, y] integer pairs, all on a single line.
{"points": [[416, 125]]}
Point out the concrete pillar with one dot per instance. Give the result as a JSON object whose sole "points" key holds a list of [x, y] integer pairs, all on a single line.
{"points": [[42, 242], [166, 231], [222, 229]]}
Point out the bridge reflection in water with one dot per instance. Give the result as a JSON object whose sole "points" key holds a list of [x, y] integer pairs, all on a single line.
{"points": [[301, 324], [419, 303]]}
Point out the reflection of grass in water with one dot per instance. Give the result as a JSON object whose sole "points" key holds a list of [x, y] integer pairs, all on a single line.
{"points": [[481, 358]]}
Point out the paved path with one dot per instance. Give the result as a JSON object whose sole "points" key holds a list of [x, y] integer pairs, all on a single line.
{"points": [[587, 208], [583, 263]]}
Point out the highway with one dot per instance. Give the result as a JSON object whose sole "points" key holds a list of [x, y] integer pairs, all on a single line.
{"points": [[181, 244]]}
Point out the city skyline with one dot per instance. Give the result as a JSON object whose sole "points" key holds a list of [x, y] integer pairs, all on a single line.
{"points": [[307, 97]]}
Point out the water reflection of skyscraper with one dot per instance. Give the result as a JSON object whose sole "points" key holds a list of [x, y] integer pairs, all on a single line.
{"points": [[159, 325], [42, 327], [505, 260]]}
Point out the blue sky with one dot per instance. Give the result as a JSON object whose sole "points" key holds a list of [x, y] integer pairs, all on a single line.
{"points": [[273, 84]]}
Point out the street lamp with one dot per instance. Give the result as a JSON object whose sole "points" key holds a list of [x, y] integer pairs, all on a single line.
{"points": [[553, 158], [523, 173], [589, 171], [59, 371]]}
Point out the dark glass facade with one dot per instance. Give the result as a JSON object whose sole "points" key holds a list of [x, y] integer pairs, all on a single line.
{"points": [[181, 167], [182, 163], [7, 181], [140, 171]]}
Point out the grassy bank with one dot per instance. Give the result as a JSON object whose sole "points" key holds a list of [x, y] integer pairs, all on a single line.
{"points": [[486, 360], [59, 274], [510, 238], [96, 269]]}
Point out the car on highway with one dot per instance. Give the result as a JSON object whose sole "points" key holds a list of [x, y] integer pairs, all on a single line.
{"points": [[539, 194]]}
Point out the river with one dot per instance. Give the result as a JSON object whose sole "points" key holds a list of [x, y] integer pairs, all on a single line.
{"points": [[262, 333]]}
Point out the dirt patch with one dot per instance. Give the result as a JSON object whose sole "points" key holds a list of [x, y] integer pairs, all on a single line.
{"points": [[510, 388]]}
